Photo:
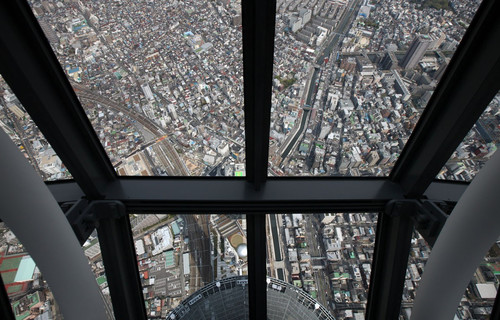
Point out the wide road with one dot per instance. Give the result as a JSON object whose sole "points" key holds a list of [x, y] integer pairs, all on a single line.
{"points": [[316, 249], [310, 94], [340, 30], [338, 34]]}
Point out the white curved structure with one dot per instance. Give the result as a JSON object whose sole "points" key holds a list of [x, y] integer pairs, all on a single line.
{"points": [[32, 213], [463, 242]]}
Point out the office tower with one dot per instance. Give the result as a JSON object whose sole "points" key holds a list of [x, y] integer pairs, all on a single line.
{"points": [[147, 91], [439, 72], [389, 61], [416, 51]]}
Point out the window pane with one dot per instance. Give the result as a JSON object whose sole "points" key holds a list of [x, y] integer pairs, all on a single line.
{"points": [[351, 79], [419, 253], [92, 250], [479, 295], [322, 259], [477, 147], [26, 288], [161, 81], [17, 123], [192, 265]]}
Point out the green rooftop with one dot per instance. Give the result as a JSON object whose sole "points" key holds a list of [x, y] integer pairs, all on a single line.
{"points": [[10, 263], [33, 299], [175, 228], [14, 289], [8, 277], [101, 280], [169, 258]]}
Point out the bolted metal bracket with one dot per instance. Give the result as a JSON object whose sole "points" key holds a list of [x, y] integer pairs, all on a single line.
{"points": [[84, 215], [427, 215]]}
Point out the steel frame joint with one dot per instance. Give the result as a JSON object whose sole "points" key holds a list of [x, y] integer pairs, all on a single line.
{"points": [[84, 215], [427, 215]]}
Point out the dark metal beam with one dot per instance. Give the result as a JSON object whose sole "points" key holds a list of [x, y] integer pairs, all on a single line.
{"points": [[81, 221], [258, 48], [65, 190], [392, 247], [33, 72], [429, 220], [470, 82], [5, 307], [120, 260], [232, 195], [445, 190], [257, 286]]}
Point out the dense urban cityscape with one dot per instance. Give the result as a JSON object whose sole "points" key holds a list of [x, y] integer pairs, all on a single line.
{"points": [[162, 84], [325, 256]]}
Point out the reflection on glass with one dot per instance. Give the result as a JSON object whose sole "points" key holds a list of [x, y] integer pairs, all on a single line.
{"points": [[480, 293], [183, 259], [92, 251], [419, 253], [161, 81], [28, 292], [352, 77], [16, 122], [327, 256], [477, 147]]}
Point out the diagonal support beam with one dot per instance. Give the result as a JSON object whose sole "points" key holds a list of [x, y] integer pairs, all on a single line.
{"points": [[32, 71], [392, 247], [119, 257], [470, 82]]}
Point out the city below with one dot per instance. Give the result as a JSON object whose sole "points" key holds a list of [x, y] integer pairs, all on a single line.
{"points": [[182, 259], [162, 84]]}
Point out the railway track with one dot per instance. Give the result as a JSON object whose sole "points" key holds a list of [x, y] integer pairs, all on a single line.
{"points": [[168, 155]]}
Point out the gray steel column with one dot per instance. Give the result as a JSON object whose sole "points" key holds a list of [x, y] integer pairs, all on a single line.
{"points": [[471, 229], [392, 247], [31, 212], [120, 260]]}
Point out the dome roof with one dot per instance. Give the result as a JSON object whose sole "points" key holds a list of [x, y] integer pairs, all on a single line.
{"points": [[242, 250]]}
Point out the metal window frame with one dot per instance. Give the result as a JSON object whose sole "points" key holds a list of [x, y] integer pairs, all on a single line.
{"points": [[31, 69], [33, 72], [468, 85]]}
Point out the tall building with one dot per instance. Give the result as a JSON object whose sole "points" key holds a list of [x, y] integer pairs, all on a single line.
{"points": [[147, 91], [415, 52], [389, 61], [439, 72]]}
